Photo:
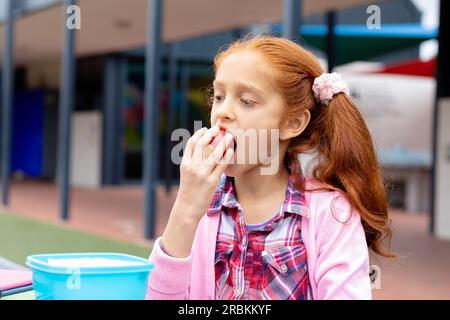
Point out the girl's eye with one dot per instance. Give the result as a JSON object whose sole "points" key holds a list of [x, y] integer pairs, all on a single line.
{"points": [[218, 98], [247, 102]]}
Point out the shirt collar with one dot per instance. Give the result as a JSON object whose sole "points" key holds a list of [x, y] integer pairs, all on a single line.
{"points": [[225, 196]]}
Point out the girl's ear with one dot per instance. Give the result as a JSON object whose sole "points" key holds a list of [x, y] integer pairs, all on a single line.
{"points": [[294, 125]]}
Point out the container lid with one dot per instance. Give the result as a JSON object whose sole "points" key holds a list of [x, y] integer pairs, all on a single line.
{"points": [[49, 263]]}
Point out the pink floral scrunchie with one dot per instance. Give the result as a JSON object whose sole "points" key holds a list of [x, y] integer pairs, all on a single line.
{"points": [[327, 85]]}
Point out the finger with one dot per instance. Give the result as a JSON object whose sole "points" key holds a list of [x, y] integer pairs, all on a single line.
{"points": [[193, 141], [208, 137], [222, 165], [200, 145], [219, 152], [187, 153], [209, 149], [218, 156]]}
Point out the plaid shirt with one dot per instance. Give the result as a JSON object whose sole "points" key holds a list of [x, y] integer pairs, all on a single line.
{"points": [[266, 263]]}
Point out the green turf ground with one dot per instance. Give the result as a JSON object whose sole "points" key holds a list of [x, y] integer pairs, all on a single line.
{"points": [[21, 237]]}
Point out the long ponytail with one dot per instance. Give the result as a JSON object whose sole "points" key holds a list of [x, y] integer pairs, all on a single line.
{"points": [[348, 164]]}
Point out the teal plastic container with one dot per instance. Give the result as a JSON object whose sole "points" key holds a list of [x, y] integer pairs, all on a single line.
{"points": [[89, 283]]}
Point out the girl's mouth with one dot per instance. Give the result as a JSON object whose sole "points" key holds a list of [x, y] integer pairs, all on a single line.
{"points": [[220, 136]]}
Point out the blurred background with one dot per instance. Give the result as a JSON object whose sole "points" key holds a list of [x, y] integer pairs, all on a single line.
{"points": [[91, 91]]}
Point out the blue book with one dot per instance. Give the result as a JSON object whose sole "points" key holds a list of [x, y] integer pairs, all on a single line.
{"points": [[16, 290]]}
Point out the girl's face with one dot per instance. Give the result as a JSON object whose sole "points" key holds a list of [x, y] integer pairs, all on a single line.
{"points": [[244, 98]]}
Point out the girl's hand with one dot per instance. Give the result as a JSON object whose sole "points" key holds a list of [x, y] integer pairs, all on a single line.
{"points": [[201, 168]]}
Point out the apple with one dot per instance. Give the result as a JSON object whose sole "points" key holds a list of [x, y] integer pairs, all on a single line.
{"points": [[219, 138]]}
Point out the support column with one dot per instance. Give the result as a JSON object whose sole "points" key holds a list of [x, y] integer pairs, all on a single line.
{"points": [[184, 108], [440, 205], [331, 48], [152, 106], [7, 99], [66, 103], [113, 87], [173, 71], [291, 19]]}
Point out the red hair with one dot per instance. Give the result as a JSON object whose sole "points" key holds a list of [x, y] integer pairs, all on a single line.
{"points": [[348, 162]]}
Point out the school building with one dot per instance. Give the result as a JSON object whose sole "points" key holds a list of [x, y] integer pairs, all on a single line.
{"points": [[94, 105]]}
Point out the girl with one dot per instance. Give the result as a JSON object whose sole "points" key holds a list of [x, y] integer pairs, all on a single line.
{"points": [[301, 233]]}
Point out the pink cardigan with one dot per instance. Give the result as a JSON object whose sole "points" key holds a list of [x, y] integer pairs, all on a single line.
{"points": [[337, 253]]}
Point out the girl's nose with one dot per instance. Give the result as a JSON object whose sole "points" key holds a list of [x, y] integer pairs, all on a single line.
{"points": [[225, 117], [226, 113]]}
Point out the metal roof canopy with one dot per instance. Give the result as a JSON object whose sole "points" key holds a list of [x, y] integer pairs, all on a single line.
{"points": [[111, 25], [357, 42]]}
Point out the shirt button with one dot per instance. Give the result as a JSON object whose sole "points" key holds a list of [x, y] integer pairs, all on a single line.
{"points": [[237, 291], [283, 268]]}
